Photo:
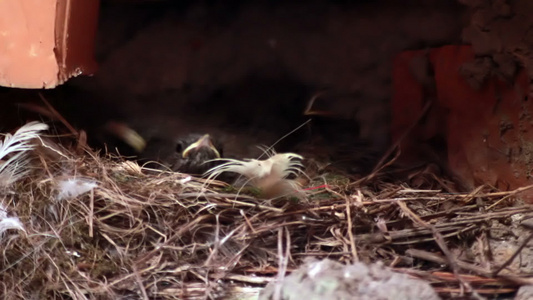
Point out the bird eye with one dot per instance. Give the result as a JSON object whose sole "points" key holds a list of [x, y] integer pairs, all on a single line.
{"points": [[179, 147]]}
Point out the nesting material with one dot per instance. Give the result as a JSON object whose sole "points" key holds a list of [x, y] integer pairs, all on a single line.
{"points": [[148, 234]]}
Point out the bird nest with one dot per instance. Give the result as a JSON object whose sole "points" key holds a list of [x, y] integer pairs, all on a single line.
{"points": [[82, 226]]}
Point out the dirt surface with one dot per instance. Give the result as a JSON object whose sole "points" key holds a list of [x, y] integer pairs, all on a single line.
{"points": [[500, 33]]}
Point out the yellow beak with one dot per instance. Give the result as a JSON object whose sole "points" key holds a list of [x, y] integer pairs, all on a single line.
{"points": [[204, 141]]}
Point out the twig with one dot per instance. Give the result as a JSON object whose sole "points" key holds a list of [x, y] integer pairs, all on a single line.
{"points": [[58, 116], [442, 245], [452, 262], [91, 213], [139, 282], [379, 166], [355, 257], [438, 259]]}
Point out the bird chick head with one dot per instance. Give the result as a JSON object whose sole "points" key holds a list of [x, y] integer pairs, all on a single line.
{"points": [[194, 153], [203, 145]]}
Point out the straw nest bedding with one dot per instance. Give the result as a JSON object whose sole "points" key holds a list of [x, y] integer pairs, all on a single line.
{"points": [[77, 225]]}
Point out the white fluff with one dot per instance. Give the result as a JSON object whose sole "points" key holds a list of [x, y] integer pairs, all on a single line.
{"points": [[8, 222], [73, 187], [17, 145], [269, 175]]}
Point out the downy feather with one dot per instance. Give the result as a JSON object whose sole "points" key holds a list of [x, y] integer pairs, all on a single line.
{"points": [[269, 175], [7, 223], [17, 145], [73, 187]]}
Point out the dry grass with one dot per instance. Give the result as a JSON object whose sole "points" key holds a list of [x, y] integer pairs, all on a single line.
{"points": [[142, 234]]}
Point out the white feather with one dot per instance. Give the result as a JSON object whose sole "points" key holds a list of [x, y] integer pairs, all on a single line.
{"points": [[73, 187], [7, 223], [269, 175], [17, 145]]}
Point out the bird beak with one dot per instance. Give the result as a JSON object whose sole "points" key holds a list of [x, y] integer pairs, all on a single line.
{"points": [[204, 141], [311, 111]]}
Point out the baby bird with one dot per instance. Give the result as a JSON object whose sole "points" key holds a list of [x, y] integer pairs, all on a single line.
{"points": [[192, 154]]}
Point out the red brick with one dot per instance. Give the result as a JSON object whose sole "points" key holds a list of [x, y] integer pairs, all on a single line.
{"points": [[479, 149]]}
